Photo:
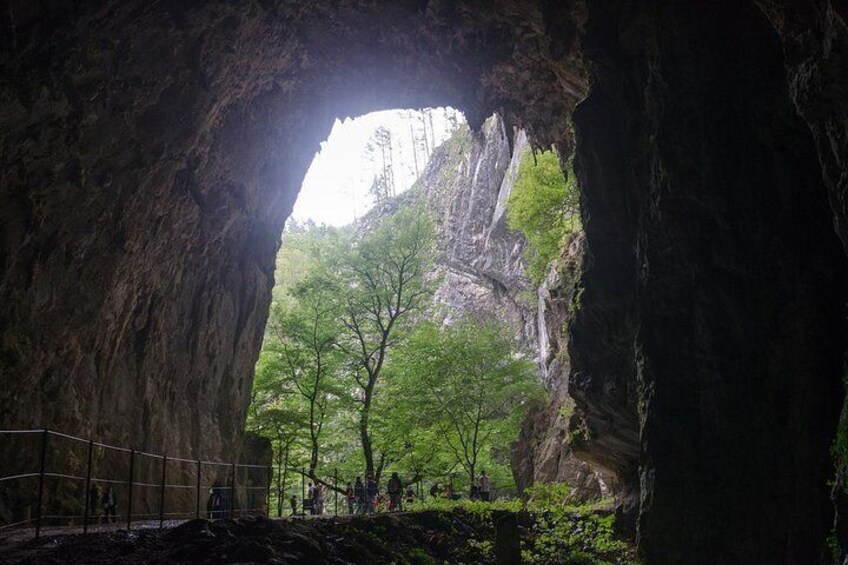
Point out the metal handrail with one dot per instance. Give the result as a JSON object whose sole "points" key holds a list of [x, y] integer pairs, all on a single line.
{"points": [[130, 482], [128, 450]]}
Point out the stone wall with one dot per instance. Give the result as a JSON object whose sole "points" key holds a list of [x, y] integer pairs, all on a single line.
{"points": [[483, 275], [713, 263], [150, 155]]}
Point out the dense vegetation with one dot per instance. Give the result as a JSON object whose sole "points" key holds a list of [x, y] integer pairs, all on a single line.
{"points": [[544, 206], [551, 531], [359, 375]]}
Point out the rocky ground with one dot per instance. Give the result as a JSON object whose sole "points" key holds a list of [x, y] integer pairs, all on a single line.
{"points": [[427, 537], [421, 538]]}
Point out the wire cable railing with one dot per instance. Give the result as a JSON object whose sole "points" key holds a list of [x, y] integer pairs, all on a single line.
{"points": [[133, 481]]}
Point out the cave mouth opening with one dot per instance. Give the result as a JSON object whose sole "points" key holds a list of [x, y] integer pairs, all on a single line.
{"points": [[701, 211], [399, 203]]}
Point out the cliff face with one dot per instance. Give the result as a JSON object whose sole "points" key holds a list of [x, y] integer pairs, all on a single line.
{"points": [[150, 155], [479, 260], [714, 280], [483, 275]]}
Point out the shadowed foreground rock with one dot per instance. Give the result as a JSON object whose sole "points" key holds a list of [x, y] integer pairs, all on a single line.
{"points": [[419, 538], [412, 538]]}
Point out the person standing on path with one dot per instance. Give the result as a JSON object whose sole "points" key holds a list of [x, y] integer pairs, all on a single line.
{"points": [[350, 497], [395, 489], [485, 487], [110, 505], [310, 500], [361, 496], [319, 499], [373, 490]]}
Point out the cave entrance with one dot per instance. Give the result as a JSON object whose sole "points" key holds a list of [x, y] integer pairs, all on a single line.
{"points": [[407, 275], [151, 152]]}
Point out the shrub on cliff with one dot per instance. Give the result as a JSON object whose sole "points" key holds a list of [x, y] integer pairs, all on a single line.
{"points": [[544, 205]]}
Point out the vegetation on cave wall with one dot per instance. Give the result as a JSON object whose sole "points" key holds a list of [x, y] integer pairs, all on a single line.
{"points": [[544, 206]]}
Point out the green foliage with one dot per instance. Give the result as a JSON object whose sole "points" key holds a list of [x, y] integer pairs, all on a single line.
{"points": [[352, 376], [303, 247], [547, 495], [418, 556], [465, 385], [558, 533], [544, 206], [583, 537], [380, 285], [483, 510]]}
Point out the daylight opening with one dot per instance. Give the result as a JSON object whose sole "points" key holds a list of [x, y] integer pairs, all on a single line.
{"points": [[414, 353]]}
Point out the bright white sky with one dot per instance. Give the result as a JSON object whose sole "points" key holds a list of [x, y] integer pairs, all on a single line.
{"points": [[335, 190]]}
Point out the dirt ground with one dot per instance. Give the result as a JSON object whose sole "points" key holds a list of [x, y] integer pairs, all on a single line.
{"points": [[414, 538]]}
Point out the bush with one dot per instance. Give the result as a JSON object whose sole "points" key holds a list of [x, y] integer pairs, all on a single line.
{"points": [[544, 205]]}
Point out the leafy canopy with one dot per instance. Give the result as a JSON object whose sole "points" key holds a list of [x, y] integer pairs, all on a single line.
{"points": [[544, 206], [464, 384]]}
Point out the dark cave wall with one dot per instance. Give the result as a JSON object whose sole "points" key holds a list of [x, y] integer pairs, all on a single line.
{"points": [[150, 154], [728, 284], [140, 218]]}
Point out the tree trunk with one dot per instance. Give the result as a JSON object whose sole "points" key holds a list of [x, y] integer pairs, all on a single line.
{"points": [[364, 435], [279, 487], [285, 474]]}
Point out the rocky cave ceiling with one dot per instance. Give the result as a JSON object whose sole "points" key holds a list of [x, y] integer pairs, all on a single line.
{"points": [[151, 152]]}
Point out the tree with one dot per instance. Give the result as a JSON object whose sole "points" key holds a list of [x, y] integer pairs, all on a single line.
{"points": [[544, 205], [273, 414], [383, 185], [381, 284], [466, 383], [305, 334]]}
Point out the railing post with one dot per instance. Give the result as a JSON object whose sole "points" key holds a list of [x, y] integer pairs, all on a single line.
{"points": [[233, 490], [197, 510], [86, 514], [42, 468], [162, 492], [336, 490], [130, 490], [281, 491], [268, 494], [303, 490]]}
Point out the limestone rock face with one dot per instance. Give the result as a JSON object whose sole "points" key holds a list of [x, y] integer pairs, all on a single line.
{"points": [[480, 261], [545, 451], [150, 154], [714, 282], [483, 274]]}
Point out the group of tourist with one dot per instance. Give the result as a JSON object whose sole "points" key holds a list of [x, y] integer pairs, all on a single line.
{"points": [[480, 491], [314, 502], [366, 497], [107, 502]]}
